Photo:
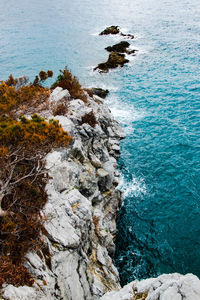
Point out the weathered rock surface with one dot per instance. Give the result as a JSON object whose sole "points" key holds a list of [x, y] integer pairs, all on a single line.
{"points": [[114, 60], [74, 261], [83, 201], [165, 287]]}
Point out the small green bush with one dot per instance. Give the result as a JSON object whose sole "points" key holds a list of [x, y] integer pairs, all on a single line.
{"points": [[67, 81]]}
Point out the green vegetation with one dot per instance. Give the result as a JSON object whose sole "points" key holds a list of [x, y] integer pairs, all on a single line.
{"points": [[67, 81]]}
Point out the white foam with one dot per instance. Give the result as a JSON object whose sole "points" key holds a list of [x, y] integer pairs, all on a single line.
{"points": [[130, 57], [124, 113], [94, 33], [135, 187]]}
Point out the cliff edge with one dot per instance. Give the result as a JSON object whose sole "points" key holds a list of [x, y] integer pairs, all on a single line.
{"points": [[78, 236]]}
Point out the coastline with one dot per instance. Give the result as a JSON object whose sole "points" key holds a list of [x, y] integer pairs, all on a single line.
{"points": [[80, 218], [79, 229]]}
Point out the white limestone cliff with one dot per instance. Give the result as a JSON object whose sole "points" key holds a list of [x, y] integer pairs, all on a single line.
{"points": [[75, 261], [165, 287], [79, 229]]}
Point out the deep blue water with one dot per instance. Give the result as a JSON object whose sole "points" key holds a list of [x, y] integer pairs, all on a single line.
{"points": [[155, 98]]}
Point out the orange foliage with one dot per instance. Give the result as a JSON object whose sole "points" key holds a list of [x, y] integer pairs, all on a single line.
{"points": [[23, 145], [12, 97], [34, 131], [10, 273]]}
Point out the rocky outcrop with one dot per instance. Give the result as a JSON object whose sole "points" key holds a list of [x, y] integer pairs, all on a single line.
{"points": [[116, 57], [74, 261], [165, 287], [100, 92], [114, 60], [110, 30], [115, 30], [121, 47]]}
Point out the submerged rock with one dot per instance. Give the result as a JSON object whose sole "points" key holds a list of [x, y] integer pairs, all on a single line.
{"points": [[110, 30], [121, 47], [114, 60]]}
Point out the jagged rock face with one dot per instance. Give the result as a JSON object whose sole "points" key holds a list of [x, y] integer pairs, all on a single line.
{"points": [[74, 262], [165, 287], [83, 201]]}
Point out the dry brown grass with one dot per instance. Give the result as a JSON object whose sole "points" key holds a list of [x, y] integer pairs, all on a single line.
{"points": [[89, 119]]}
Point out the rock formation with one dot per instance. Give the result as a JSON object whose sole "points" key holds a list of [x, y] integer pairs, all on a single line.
{"points": [[74, 261], [165, 287], [116, 57], [114, 60], [121, 47], [99, 92], [115, 30], [110, 30]]}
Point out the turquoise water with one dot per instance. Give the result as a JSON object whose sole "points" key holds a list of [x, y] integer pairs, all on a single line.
{"points": [[155, 98]]}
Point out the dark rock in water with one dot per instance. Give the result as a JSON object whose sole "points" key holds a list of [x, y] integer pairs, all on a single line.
{"points": [[115, 30], [110, 30], [114, 60], [120, 47], [100, 92]]}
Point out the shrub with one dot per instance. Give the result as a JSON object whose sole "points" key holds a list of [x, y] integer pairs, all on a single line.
{"points": [[42, 77], [61, 109], [12, 274], [17, 82], [29, 132], [89, 119], [11, 97], [67, 81], [23, 145]]}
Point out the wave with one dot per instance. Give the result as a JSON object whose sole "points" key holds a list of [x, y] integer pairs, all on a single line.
{"points": [[125, 113], [134, 187]]}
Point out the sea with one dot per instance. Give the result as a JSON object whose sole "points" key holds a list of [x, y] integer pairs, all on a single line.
{"points": [[156, 99]]}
